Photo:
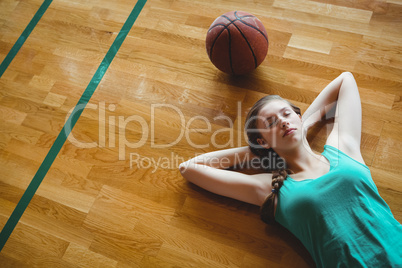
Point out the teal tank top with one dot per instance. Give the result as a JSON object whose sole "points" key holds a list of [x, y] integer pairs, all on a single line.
{"points": [[340, 217]]}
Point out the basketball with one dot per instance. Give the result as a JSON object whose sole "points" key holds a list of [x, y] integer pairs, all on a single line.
{"points": [[237, 42]]}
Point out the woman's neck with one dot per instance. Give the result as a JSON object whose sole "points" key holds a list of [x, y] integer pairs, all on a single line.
{"points": [[300, 159]]}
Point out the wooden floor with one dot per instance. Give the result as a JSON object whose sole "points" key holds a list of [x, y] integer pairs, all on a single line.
{"points": [[114, 196]]}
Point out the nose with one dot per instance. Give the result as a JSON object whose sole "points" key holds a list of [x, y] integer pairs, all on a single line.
{"points": [[284, 123]]}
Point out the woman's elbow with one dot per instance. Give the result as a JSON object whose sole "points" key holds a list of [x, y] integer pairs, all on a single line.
{"points": [[183, 168], [348, 74]]}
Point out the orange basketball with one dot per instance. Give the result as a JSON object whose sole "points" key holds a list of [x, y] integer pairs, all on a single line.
{"points": [[237, 42]]}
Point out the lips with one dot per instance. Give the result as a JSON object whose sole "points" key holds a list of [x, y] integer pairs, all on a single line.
{"points": [[288, 131]]}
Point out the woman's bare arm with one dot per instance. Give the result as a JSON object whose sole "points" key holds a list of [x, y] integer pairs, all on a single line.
{"points": [[346, 133], [209, 172], [323, 103]]}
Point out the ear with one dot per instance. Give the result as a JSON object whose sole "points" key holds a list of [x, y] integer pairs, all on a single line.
{"points": [[263, 143]]}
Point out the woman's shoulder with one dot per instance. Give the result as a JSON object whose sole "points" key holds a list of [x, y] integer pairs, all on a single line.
{"points": [[351, 151], [263, 185]]}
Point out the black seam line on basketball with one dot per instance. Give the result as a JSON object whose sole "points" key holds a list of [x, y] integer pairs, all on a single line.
{"points": [[258, 30], [246, 16], [230, 51], [216, 38], [225, 27], [240, 19], [230, 43], [249, 46], [231, 22], [237, 17]]}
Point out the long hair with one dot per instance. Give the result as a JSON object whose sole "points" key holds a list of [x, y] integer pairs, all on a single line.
{"points": [[277, 164]]}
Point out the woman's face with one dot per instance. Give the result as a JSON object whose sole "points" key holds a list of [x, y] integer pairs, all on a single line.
{"points": [[279, 126]]}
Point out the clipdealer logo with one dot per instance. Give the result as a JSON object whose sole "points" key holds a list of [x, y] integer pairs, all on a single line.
{"points": [[147, 129]]}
